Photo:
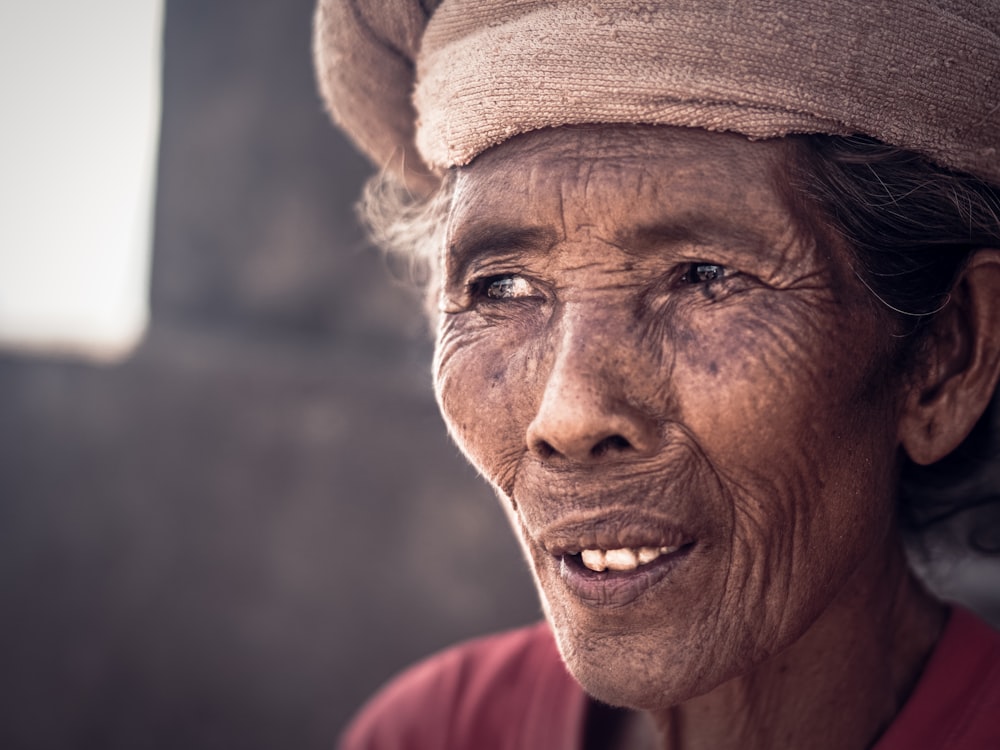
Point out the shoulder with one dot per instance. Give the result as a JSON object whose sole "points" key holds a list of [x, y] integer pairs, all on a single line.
{"points": [[505, 690], [956, 702]]}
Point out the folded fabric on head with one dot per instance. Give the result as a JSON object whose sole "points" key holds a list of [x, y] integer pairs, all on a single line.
{"points": [[421, 88]]}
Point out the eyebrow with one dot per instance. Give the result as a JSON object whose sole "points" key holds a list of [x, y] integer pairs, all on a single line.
{"points": [[489, 240], [690, 230], [485, 240], [651, 236]]}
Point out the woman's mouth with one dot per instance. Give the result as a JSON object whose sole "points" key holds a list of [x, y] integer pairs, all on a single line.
{"points": [[612, 555], [616, 577], [626, 558]]}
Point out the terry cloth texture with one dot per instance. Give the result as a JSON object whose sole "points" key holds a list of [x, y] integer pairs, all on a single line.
{"points": [[405, 78]]}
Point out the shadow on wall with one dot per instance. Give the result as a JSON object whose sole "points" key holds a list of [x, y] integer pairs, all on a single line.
{"points": [[232, 539]]}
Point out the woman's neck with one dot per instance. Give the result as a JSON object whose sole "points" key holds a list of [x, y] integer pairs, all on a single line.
{"points": [[839, 686]]}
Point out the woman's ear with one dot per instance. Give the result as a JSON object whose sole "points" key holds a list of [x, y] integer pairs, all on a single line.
{"points": [[961, 367]]}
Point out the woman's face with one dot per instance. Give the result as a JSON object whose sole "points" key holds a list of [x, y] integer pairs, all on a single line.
{"points": [[679, 395]]}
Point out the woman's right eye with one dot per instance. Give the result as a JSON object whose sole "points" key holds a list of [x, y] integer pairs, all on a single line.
{"points": [[704, 273], [504, 287]]}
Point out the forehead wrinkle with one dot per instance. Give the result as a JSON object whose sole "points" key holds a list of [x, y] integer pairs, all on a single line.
{"points": [[587, 187], [687, 219], [582, 197]]}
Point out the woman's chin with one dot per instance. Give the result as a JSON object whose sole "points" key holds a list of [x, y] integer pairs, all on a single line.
{"points": [[640, 665], [633, 671]]}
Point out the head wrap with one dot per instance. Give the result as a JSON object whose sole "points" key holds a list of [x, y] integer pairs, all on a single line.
{"points": [[422, 85]]}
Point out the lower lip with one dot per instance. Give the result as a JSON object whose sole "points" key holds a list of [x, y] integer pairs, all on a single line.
{"points": [[616, 588]]}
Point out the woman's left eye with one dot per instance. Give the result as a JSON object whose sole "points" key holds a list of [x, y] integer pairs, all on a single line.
{"points": [[506, 287], [702, 273]]}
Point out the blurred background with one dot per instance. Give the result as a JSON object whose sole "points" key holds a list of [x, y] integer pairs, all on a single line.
{"points": [[231, 538]]}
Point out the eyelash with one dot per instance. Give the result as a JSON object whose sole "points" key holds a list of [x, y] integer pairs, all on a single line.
{"points": [[505, 286], [704, 273], [501, 287]]}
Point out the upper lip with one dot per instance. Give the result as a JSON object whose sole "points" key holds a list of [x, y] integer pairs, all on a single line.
{"points": [[611, 528], [614, 505]]}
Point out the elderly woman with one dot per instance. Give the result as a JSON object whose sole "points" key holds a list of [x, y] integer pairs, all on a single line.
{"points": [[717, 289]]}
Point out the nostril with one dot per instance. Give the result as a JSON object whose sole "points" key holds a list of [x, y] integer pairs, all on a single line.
{"points": [[584, 428], [544, 450], [610, 444]]}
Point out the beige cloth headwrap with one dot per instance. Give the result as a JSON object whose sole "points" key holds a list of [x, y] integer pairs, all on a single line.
{"points": [[412, 83]]}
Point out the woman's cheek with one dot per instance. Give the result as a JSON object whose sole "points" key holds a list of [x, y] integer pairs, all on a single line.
{"points": [[484, 384]]}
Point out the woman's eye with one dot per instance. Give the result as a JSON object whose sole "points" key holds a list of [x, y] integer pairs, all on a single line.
{"points": [[507, 287], [701, 273]]}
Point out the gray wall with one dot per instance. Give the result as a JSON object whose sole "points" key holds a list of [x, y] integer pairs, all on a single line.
{"points": [[232, 539]]}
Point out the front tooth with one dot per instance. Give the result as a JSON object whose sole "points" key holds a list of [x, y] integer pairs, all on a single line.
{"points": [[594, 559], [648, 554], [621, 559]]}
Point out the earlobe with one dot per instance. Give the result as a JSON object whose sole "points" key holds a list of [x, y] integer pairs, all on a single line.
{"points": [[962, 365]]}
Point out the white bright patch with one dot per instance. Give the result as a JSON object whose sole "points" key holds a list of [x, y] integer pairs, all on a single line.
{"points": [[80, 106]]}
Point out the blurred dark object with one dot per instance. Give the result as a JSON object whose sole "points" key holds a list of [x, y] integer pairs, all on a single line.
{"points": [[235, 537]]}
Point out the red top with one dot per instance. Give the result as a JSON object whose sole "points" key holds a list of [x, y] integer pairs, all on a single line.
{"points": [[956, 703], [512, 692]]}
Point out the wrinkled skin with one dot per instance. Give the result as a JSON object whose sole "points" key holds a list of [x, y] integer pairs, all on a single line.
{"points": [[643, 344]]}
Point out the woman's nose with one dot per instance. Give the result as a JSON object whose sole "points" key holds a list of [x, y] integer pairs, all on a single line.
{"points": [[586, 413]]}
